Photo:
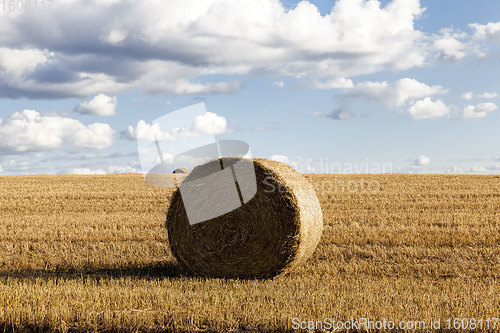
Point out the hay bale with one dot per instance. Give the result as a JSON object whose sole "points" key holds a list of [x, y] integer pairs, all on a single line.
{"points": [[160, 176], [180, 175], [272, 233]]}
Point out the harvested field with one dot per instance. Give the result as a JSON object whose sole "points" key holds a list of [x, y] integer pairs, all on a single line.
{"points": [[91, 252]]}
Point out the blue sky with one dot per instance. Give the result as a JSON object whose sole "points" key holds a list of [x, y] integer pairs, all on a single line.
{"points": [[326, 86]]}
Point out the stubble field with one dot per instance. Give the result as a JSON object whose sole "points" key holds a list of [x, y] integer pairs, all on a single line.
{"points": [[91, 253]]}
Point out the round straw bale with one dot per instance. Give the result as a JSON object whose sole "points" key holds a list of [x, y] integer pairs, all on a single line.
{"points": [[160, 176], [276, 230]]}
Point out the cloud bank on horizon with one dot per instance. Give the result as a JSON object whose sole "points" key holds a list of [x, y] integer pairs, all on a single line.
{"points": [[91, 53]]}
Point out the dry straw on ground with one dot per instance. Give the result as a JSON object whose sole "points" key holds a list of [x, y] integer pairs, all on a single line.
{"points": [[90, 253], [275, 231]]}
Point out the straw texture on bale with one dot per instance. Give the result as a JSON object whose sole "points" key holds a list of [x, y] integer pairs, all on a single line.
{"points": [[272, 233]]}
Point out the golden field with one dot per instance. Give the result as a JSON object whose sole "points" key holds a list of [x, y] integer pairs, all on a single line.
{"points": [[91, 253]]}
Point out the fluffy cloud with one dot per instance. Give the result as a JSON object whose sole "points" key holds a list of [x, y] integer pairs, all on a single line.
{"points": [[279, 84], [453, 45], [14, 63], [422, 161], [184, 87], [488, 169], [467, 96], [478, 169], [482, 36], [490, 31], [145, 131], [20, 166], [208, 123], [100, 105], [30, 131], [165, 47], [426, 108], [485, 95], [477, 111], [114, 37], [332, 84], [394, 94], [488, 95], [455, 170], [85, 171], [110, 170], [399, 93], [449, 45]]}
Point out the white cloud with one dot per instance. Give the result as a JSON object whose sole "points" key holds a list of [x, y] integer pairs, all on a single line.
{"points": [[163, 47], [145, 131], [337, 83], [477, 111], [422, 161], [483, 36], [100, 105], [14, 63], [426, 108], [489, 31], [484, 95], [315, 113], [488, 95], [208, 123], [396, 93], [449, 45], [30, 131], [85, 171], [114, 37], [279, 84], [478, 169], [121, 169], [109, 170], [184, 87], [18, 166], [453, 45], [467, 96], [455, 170], [475, 169]]}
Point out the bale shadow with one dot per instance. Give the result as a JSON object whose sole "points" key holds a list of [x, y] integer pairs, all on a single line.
{"points": [[154, 271], [157, 270]]}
